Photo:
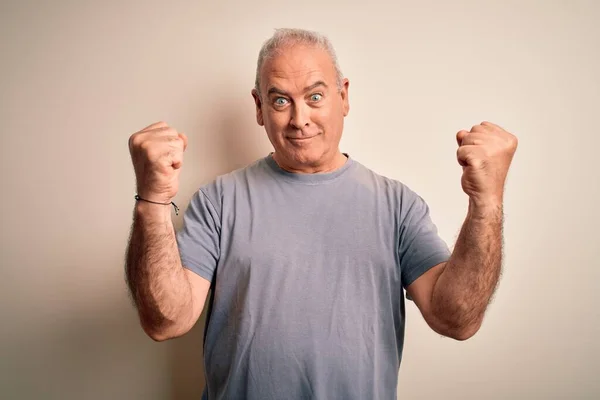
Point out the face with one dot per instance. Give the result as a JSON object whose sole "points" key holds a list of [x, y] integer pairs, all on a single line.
{"points": [[302, 108]]}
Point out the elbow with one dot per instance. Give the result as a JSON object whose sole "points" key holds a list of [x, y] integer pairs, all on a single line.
{"points": [[163, 332], [462, 332], [460, 322], [160, 327], [454, 329], [158, 336]]}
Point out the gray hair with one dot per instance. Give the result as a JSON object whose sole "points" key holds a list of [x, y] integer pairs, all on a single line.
{"points": [[284, 37]]}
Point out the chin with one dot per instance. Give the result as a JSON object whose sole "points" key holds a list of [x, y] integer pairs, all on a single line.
{"points": [[305, 157]]}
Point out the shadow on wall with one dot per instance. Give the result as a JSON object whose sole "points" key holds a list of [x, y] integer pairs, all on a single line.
{"points": [[76, 335], [230, 142]]}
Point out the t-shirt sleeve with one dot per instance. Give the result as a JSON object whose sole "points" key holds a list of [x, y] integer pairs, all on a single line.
{"points": [[420, 247], [199, 237]]}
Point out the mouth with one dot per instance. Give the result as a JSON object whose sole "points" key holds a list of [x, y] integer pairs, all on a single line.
{"points": [[301, 138]]}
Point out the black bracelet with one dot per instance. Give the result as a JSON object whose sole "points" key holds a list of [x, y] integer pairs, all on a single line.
{"points": [[138, 198]]}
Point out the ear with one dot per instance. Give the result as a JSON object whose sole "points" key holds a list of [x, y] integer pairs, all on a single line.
{"points": [[344, 94], [257, 101]]}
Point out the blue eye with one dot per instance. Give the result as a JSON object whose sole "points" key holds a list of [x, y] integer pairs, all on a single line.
{"points": [[280, 101], [316, 97]]}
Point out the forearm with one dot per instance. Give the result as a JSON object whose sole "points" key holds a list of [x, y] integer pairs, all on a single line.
{"points": [[156, 279], [467, 283]]}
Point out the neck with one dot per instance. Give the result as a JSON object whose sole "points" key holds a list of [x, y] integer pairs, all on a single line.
{"points": [[337, 161]]}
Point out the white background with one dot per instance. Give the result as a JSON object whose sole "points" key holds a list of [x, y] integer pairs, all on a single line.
{"points": [[77, 78]]}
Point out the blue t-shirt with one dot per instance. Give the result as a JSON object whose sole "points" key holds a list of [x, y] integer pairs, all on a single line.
{"points": [[307, 274]]}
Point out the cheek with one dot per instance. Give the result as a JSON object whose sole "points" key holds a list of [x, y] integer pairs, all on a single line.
{"points": [[275, 122], [326, 117]]}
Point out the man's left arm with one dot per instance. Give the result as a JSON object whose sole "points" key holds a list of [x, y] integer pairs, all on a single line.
{"points": [[454, 295]]}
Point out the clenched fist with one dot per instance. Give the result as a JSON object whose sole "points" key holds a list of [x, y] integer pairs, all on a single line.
{"points": [[157, 156], [485, 153]]}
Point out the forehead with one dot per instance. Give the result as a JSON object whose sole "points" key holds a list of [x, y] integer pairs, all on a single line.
{"points": [[295, 67]]}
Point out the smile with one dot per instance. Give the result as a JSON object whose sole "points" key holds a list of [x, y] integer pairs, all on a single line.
{"points": [[301, 139]]}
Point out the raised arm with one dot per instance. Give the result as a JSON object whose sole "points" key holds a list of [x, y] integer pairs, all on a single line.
{"points": [[169, 298], [454, 296]]}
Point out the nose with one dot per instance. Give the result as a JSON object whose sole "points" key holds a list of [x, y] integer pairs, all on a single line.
{"points": [[300, 116]]}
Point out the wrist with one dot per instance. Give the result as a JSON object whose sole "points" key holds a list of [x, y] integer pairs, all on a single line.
{"points": [[485, 207], [152, 212], [153, 197], [139, 198]]}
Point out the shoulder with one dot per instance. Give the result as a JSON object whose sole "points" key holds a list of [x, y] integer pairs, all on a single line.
{"points": [[393, 193], [383, 183], [227, 183]]}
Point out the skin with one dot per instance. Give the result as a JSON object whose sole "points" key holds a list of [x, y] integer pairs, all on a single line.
{"points": [[169, 298], [303, 110], [454, 296]]}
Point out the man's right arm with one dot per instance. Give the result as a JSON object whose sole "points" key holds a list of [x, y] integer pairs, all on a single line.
{"points": [[169, 298]]}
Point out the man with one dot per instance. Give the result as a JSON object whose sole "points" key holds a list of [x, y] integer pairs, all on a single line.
{"points": [[307, 251]]}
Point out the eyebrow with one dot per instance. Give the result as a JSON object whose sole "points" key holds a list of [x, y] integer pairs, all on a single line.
{"points": [[276, 90]]}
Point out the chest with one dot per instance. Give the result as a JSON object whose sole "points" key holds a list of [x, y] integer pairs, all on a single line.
{"points": [[302, 237]]}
